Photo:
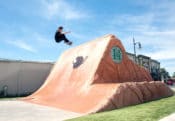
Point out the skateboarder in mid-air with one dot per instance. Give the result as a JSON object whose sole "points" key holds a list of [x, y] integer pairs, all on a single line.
{"points": [[60, 36]]}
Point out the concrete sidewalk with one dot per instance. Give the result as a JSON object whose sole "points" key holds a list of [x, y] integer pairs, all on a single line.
{"points": [[169, 118], [172, 87], [22, 111], [172, 116]]}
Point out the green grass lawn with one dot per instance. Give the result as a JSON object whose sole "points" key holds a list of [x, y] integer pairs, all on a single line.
{"points": [[151, 111]]}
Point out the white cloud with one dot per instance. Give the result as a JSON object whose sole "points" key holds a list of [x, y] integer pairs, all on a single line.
{"points": [[22, 45], [61, 9], [160, 33], [163, 54], [41, 40], [158, 45]]}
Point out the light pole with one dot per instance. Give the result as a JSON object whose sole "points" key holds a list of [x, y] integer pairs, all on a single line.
{"points": [[140, 46]]}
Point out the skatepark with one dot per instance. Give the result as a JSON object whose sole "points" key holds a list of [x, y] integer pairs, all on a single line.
{"points": [[94, 77], [106, 77]]}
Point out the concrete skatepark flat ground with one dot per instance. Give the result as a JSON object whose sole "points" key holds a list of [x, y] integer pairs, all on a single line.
{"points": [[13, 110]]}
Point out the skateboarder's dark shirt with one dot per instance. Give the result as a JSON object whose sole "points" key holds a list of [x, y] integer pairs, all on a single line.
{"points": [[59, 36]]}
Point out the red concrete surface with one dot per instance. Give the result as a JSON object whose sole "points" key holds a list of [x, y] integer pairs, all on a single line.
{"points": [[96, 83]]}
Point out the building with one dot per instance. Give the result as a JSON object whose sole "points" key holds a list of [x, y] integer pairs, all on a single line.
{"points": [[155, 70], [144, 61], [131, 56], [153, 66]]}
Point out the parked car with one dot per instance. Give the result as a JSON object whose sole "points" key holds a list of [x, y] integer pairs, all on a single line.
{"points": [[169, 82]]}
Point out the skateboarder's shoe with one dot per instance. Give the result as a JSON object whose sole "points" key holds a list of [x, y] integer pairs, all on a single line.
{"points": [[69, 43]]}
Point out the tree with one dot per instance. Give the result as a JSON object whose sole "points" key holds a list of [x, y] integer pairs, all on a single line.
{"points": [[164, 74]]}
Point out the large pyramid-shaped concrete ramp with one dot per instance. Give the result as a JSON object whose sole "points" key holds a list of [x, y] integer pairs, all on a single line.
{"points": [[97, 76]]}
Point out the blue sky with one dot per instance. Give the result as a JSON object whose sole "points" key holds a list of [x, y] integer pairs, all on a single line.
{"points": [[28, 27]]}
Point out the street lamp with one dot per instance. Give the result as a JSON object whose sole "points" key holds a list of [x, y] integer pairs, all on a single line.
{"points": [[139, 45]]}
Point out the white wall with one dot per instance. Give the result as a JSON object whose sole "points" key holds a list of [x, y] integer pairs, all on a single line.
{"points": [[21, 78]]}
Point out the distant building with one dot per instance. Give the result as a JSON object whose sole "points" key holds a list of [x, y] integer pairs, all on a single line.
{"points": [[155, 69], [153, 66], [131, 56], [144, 61]]}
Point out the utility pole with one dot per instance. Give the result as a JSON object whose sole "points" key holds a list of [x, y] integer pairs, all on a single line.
{"points": [[135, 43]]}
